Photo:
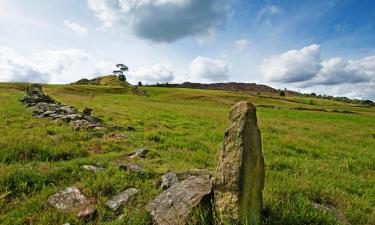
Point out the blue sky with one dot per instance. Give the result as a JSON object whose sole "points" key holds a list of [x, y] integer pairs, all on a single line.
{"points": [[311, 46]]}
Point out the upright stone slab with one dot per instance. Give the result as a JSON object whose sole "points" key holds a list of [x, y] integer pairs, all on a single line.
{"points": [[240, 177]]}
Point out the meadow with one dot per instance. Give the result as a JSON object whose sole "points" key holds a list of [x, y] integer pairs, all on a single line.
{"points": [[320, 166]]}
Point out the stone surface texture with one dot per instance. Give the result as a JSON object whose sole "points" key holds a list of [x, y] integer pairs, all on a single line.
{"points": [[240, 176], [173, 206], [71, 199], [121, 198]]}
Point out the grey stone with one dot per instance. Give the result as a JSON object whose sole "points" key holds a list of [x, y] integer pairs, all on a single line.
{"points": [[168, 179], [87, 213], [121, 199], [240, 176], [69, 199], [92, 168], [174, 205], [139, 153], [131, 167]]}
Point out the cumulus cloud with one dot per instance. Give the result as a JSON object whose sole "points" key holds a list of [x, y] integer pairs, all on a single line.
{"points": [[242, 44], [207, 69], [159, 73], [79, 29], [293, 66], [305, 67], [40, 67], [162, 20]]}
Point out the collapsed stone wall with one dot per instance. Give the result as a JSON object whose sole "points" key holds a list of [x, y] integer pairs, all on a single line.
{"points": [[46, 106]]}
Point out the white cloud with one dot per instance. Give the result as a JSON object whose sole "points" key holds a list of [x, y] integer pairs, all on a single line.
{"points": [[44, 66], [292, 66], [207, 69], [159, 73], [242, 44], [305, 67], [79, 29], [162, 20]]}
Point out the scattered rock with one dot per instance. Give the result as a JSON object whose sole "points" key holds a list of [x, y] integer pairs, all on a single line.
{"points": [[45, 106], [71, 199], [131, 167], [121, 199], [172, 207], [87, 111], [168, 179], [139, 153], [92, 168], [240, 176], [87, 213]]}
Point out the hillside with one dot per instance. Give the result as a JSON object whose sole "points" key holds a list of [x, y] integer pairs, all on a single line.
{"points": [[108, 80], [319, 158]]}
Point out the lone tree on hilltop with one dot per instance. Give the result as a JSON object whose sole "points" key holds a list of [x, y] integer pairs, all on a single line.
{"points": [[120, 72]]}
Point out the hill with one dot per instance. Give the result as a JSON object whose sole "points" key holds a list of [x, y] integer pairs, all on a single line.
{"points": [[108, 80], [319, 163]]}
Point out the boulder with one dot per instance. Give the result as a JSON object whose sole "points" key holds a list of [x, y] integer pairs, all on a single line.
{"points": [[174, 205], [240, 176], [71, 199], [121, 199], [168, 179], [87, 213]]}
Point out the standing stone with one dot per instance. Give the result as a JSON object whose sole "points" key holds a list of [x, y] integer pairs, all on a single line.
{"points": [[240, 176]]}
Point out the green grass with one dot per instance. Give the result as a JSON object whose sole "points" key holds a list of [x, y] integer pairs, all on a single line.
{"points": [[311, 157]]}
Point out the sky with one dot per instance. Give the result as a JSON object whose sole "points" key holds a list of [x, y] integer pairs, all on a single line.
{"points": [[321, 46]]}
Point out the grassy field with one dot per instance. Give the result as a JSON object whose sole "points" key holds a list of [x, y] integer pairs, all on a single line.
{"points": [[312, 158]]}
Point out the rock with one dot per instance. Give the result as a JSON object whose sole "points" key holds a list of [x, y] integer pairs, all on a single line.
{"points": [[87, 111], [240, 176], [70, 199], [87, 213], [121, 217], [195, 172], [114, 136], [121, 199], [172, 207], [92, 168], [131, 167], [168, 179], [139, 153]]}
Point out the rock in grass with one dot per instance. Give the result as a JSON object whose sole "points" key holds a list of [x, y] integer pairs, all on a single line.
{"points": [[139, 153], [174, 205], [131, 167], [168, 179], [87, 213], [92, 168], [240, 176], [122, 198], [71, 199]]}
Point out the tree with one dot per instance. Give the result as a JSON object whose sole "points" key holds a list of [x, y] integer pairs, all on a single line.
{"points": [[120, 72], [139, 83], [282, 93]]}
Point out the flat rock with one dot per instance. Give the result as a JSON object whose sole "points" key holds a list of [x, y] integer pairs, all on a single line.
{"points": [[121, 198], [168, 179], [70, 199], [173, 206], [131, 167], [139, 153], [92, 168]]}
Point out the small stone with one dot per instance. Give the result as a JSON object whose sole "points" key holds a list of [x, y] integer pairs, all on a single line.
{"points": [[131, 167], [92, 168], [87, 111], [168, 179], [121, 217], [87, 213], [121, 198], [139, 153]]}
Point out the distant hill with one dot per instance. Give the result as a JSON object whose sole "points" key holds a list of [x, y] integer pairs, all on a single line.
{"points": [[230, 86], [108, 80]]}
